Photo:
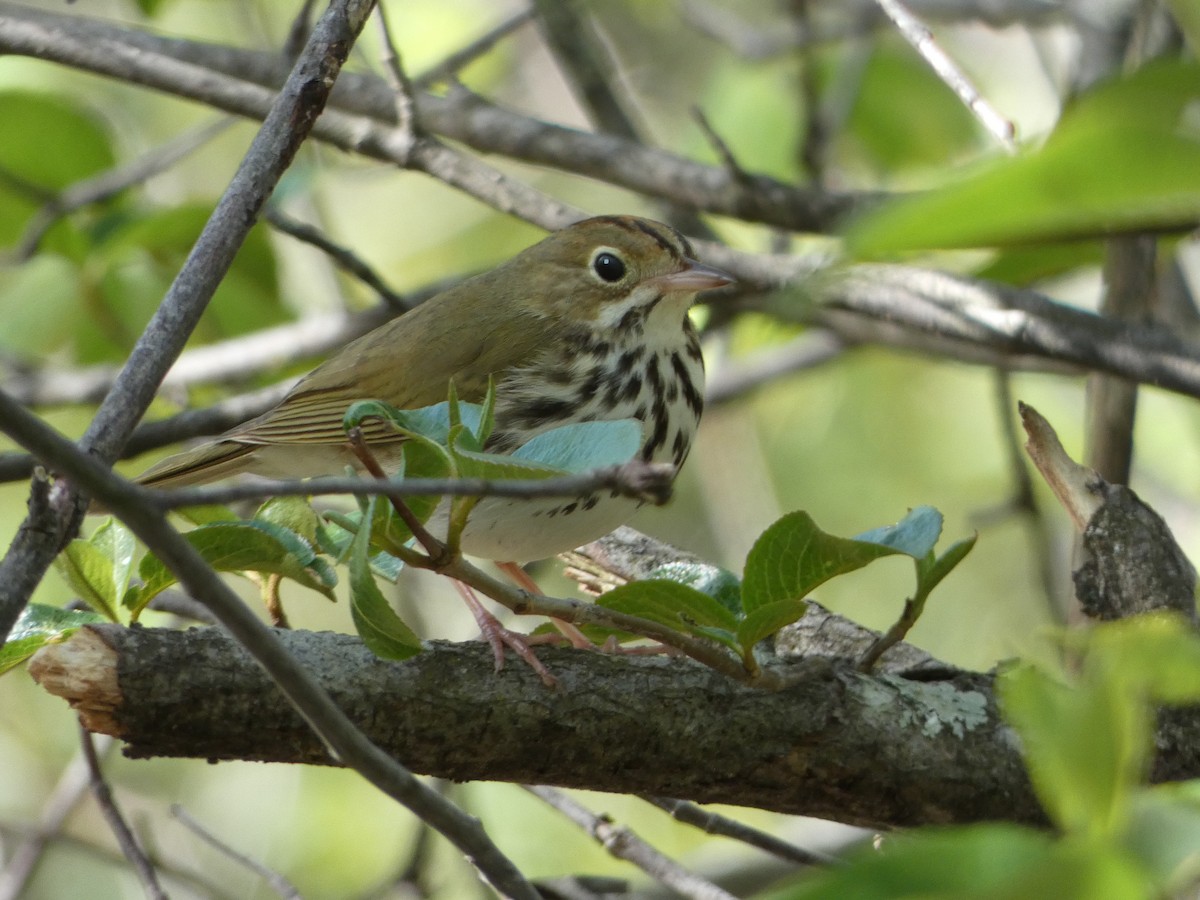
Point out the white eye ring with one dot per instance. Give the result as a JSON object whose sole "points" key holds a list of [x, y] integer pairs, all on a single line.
{"points": [[607, 265]]}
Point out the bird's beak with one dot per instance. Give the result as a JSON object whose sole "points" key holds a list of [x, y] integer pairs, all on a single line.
{"points": [[696, 277]]}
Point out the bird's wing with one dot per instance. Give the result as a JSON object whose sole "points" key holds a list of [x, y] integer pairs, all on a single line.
{"points": [[407, 363], [411, 359]]}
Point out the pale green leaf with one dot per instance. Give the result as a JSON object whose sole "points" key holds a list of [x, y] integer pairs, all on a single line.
{"points": [[764, 621], [90, 575], [384, 633], [794, 556], [915, 535], [1089, 179], [675, 605], [39, 625], [254, 546]]}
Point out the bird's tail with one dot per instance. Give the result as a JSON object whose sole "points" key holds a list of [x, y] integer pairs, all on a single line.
{"points": [[208, 462]]}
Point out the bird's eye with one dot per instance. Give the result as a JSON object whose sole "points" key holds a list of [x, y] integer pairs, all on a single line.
{"points": [[609, 267]]}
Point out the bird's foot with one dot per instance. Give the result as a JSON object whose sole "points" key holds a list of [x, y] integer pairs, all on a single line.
{"points": [[499, 637]]}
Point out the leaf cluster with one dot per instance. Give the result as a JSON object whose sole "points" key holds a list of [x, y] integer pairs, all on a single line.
{"points": [[1087, 735]]}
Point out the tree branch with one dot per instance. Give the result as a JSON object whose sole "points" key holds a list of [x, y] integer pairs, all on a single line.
{"points": [[834, 744]]}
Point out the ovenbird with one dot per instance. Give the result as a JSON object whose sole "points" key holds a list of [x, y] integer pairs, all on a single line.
{"points": [[589, 324]]}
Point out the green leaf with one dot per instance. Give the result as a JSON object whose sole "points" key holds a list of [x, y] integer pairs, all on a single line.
{"points": [[60, 141], [487, 415], [294, 514], [38, 626], [206, 515], [91, 575], [495, 466], [1086, 748], [384, 633], [794, 556], [39, 300], [765, 620], [720, 584], [931, 570], [915, 535], [1089, 741], [1089, 178], [431, 422], [675, 605], [118, 545], [1154, 657], [255, 546], [942, 863], [583, 446], [1075, 870]]}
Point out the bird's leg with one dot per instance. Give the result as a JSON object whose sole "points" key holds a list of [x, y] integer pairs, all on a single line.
{"points": [[574, 635], [522, 579], [500, 637]]}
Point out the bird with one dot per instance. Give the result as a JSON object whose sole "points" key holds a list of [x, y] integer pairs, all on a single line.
{"points": [[589, 324]]}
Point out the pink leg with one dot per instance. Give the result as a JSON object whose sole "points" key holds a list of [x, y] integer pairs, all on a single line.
{"points": [[498, 637], [521, 578]]}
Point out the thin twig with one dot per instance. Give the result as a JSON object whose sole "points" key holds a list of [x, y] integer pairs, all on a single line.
{"points": [[736, 378], [344, 257], [624, 844], [1023, 500], [467, 54], [637, 479], [116, 822], [298, 33], [921, 39], [112, 182], [435, 550], [713, 823], [200, 885], [275, 881], [397, 79], [70, 789], [728, 160]]}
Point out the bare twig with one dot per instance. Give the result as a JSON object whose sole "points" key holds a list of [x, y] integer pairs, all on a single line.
{"points": [[728, 160], [1129, 275], [1023, 500], [402, 88], [735, 378], [458, 60], [921, 39], [275, 881], [116, 822], [199, 884], [624, 844], [992, 323], [23, 860], [113, 181], [570, 34], [637, 479], [343, 256], [713, 823]]}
